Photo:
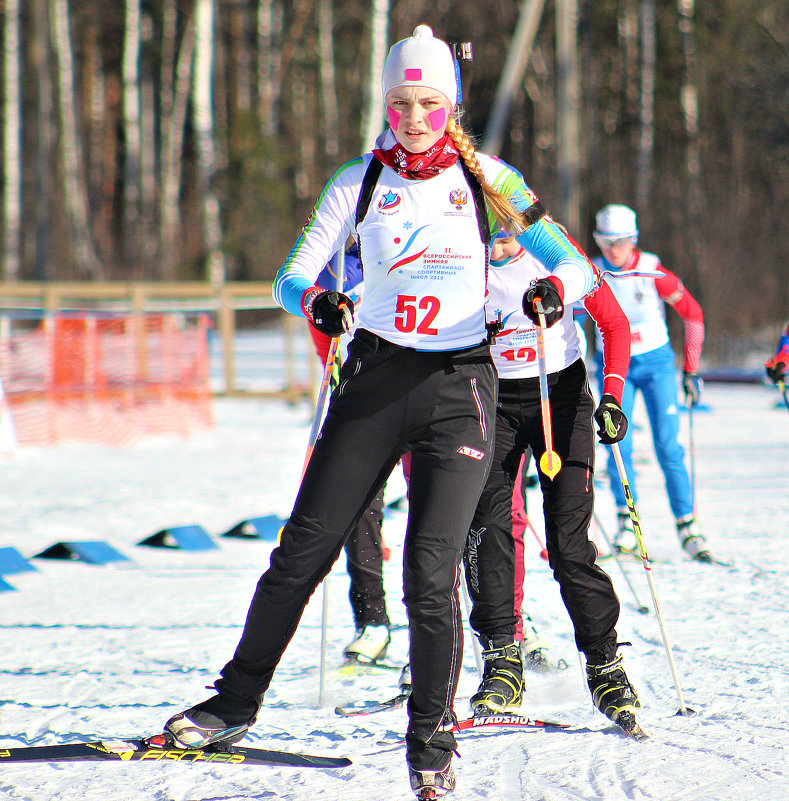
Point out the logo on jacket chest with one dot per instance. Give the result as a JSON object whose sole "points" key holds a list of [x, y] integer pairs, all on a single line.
{"points": [[458, 198], [389, 202]]}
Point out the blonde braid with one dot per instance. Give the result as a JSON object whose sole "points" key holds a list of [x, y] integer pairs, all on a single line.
{"points": [[508, 216]]}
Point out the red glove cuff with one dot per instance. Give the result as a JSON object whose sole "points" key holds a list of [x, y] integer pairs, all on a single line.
{"points": [[308, 298]]}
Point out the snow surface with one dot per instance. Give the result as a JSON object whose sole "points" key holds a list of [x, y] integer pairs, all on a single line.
{"points": [[91, 652]]}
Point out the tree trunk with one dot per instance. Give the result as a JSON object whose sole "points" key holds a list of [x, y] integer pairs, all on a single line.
{"points": [[130, 72], [512, 74], [568, 106], [174, 83], [690, 112], [328, 91], [12, 137], [204, 135], [373, 113], [44, 137], [269, 40], [646, 107], [74, 194]]}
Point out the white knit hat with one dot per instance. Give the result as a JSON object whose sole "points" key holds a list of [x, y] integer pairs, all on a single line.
{"points": [[616, 220], [421, 60]]}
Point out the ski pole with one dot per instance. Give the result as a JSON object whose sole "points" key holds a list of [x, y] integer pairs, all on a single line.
{"points": [[324, 641], [692, 445], [550, 463], [683, 710], [474, 640], [642, 609], [328, 369], [317, 419], [331, 359]]}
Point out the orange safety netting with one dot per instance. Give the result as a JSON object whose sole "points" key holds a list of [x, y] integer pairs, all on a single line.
{"points": [[109, 380]]}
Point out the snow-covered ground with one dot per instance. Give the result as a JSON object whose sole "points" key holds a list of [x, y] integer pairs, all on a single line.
{"points": [[93, 652]]}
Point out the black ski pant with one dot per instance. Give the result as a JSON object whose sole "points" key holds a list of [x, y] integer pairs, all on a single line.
{"points": [[441, 407], [568, 502], [364, 555]]}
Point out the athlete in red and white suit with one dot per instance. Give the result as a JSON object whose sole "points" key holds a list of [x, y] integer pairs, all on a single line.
{"points": [[493, 572]]}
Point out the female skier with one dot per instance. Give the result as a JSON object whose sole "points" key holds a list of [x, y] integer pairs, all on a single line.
{"points": [[418, 378]]}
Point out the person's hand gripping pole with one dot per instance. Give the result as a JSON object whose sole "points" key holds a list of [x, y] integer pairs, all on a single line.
{"points": [[332, 314], [550, 463]]}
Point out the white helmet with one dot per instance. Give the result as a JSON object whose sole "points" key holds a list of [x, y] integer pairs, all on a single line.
{"points": [[616, 222]]}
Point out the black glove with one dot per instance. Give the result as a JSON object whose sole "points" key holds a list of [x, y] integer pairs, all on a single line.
{"points": [[332, 313], [611, 420], [544, 290], [777, 367], [692, 384]]}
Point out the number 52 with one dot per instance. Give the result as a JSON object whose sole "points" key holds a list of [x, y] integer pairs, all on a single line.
{"points": [[407, 310]]}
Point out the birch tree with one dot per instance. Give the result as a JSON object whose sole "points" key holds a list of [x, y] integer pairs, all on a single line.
{"points": [[646, 106], [131, 129], [690, 114], [43, 138], [567, 117], [74, 192], [12, 130], [269, 34], [175, 82], [372, 115], [204, 135], [328, 90]]}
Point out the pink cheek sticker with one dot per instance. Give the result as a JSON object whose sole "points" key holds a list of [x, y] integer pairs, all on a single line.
{"points": [[437, 119], [393, 118]]}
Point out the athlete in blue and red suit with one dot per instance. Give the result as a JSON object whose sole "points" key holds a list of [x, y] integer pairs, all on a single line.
{"points": [[643, 287]]}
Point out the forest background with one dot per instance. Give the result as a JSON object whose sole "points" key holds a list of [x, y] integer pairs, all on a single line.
{"points": [[188, 139]]}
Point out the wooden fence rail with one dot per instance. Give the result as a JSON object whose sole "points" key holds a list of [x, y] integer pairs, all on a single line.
{"points": [[33, 299]]}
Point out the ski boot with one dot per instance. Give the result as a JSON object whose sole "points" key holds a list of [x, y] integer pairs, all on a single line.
{"points": [[612, 692], [369, 645], [501, 689], [429, 759], [534, 654], [218, 722], [404, 682], [692, 540], [431, 784], [625, 538]]}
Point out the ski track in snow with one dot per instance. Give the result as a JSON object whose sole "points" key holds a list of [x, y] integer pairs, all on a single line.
{"points": [[97, 652]]}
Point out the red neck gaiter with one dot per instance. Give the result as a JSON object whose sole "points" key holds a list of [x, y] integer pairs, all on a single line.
{"points": [[419, 166]]}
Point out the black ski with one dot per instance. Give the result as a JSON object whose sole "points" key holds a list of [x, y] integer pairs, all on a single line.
{"points": [[146, 750], [357, 708]]}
